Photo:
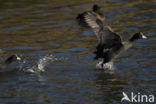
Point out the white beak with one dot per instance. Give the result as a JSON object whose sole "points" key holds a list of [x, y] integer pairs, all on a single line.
{"points": [[143, 36], [18, 58]]}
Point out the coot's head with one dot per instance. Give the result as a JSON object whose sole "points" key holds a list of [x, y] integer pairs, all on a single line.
{"points": [[12, 58], [137, 36], [96, 8]]}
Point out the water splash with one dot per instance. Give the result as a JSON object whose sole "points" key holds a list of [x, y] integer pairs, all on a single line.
{"points": [[40, 65], [106, 66]]}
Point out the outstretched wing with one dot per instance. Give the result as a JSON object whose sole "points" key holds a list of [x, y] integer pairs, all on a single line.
{"points": [[93, 22], [109, 42]]}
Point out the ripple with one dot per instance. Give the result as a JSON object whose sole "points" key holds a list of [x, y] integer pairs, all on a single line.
{"points": [[7, 30], [59, 25], [22, 48]]}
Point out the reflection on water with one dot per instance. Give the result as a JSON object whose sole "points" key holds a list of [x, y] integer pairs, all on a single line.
{"points": [[35, 29]]}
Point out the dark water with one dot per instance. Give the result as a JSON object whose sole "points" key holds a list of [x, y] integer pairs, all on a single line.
{"points": [[36, 29]]}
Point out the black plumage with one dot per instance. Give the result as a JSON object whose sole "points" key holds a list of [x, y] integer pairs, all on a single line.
{"points": [[9, 60], [110, 43]]}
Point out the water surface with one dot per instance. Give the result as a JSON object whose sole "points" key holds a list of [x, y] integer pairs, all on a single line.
{"points": [[35, 29]]}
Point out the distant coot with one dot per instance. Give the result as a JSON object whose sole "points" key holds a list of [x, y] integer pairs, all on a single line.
{"points": [[9, 60], [110, 44]]}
